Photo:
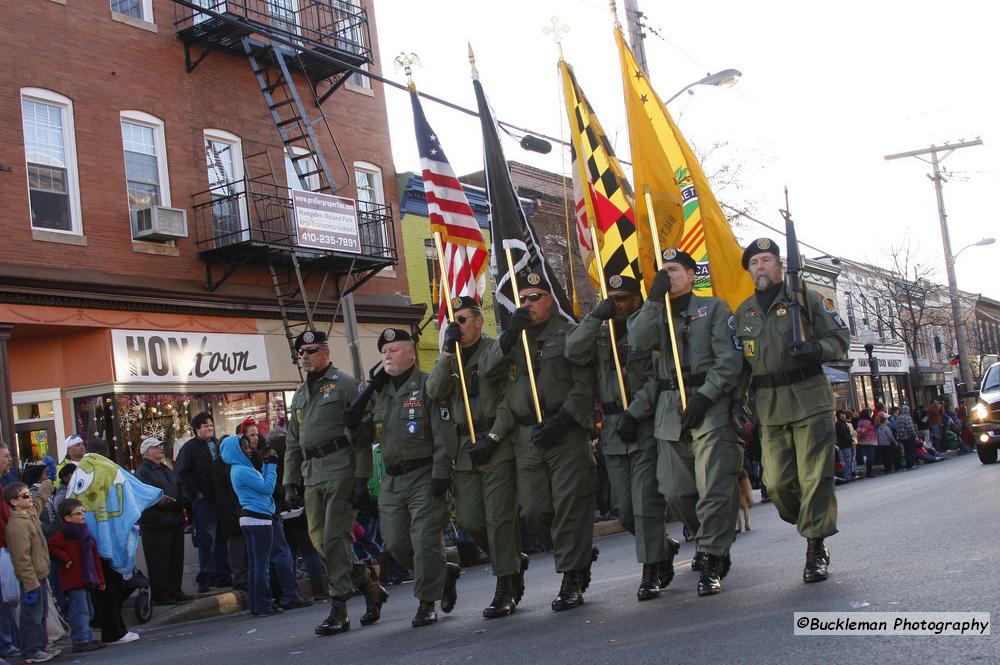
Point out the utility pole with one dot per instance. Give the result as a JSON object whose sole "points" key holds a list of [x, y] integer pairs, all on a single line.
{"points": [[633, 18], [949, 260]]}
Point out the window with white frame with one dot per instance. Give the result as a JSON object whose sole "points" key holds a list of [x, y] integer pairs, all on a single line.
{"points": [[371, 207], [144, 145], [359, 80], [137, 9], [50, 156], [224, 160]]}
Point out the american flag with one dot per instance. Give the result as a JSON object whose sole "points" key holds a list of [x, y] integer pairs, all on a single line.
{"points": [[465, 253]]}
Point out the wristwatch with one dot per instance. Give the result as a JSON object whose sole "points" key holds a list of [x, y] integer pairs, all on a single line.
{"points": [[493, 437]]}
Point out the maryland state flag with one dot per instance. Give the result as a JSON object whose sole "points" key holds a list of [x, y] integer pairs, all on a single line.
{"points": [[659, 150], [602, 195]]}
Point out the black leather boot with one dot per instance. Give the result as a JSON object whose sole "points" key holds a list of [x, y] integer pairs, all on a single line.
{"points": [[519, 578], [337, 622], [710, 582], [649, 586], [503, 599], [697, 561], [725, 564], [817, 561], [585, 574], [425, 615], [375, 597], [666, 566], [570, 595], [449, 595]]}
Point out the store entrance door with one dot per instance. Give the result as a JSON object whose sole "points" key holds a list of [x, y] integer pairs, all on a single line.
{"points": [[35, 440]]}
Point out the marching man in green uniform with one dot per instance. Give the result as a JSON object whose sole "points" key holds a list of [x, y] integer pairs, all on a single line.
{"points": [[794, 401], [321, 455], [627, 434], [700, 457], [485, 472], [556, 470], [418, 443]]}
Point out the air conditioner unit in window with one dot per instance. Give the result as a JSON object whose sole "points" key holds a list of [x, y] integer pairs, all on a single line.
{"points": [[159, 223]]}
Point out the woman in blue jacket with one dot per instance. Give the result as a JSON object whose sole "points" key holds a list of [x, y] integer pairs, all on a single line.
{"points": [[254, 490]]}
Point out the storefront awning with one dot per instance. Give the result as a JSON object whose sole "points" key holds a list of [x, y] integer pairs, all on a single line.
{"points": [[836, 375]]}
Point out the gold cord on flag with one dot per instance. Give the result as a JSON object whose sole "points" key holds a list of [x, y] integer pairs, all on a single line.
{"points": [[670, 310], [458, 347], [524, 339]]}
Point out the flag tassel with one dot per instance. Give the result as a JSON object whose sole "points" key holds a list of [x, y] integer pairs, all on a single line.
{"points": [[611, 321], [524, 339], [458, 349], [670, 310]]}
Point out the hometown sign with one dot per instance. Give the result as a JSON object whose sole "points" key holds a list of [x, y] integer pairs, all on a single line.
{"points": [[145, 356], [326, 222]]}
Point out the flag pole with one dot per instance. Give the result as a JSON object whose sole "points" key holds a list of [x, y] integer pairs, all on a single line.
{"points": [[670, 310], [611, 322], [458, 347], [524, 339]]}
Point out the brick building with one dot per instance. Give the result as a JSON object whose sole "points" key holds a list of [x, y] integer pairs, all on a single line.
{"points": [[148, 268]]}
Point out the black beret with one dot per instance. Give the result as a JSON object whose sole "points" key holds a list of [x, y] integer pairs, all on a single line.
{"points": [[760, 246], [465, 302], [310, 337], [532, 280], [622, 283], [393, 335], [674, 255]]}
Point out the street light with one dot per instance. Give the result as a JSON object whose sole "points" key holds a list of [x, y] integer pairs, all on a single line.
{"points": [[868, 339], [726, 78], [978, 243]]}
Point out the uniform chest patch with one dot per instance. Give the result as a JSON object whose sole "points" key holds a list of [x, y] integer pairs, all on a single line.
{"points": [[702, 311], [781, 310], [749, 348], [752, 312], [413, 403], [298, 416], [412, 427], [327, 389]]}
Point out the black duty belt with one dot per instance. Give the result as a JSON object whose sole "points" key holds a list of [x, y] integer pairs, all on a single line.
{"points": [[691, 382], [786, 378], [612, 408], [483, 427], [405, 467], [326, 448]]}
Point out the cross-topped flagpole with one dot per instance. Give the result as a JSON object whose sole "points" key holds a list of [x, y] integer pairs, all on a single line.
{"points": [[556, 30]]}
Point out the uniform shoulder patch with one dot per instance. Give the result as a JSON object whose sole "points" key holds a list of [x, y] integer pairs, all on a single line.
{"points": [[445, 414], [829, 305], [732, 323]]}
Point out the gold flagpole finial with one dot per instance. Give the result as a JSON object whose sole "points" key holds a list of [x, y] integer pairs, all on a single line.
{"points": [[556, 29], [406, 62], [472, 63], [614, 12]]}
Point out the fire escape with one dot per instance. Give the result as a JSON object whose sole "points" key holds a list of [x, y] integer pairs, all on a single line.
{"points": [[250, 219]]}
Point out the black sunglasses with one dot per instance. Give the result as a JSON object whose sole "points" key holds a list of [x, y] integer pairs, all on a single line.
{"points": [[462, 319], [533, 297], [309, 351]]}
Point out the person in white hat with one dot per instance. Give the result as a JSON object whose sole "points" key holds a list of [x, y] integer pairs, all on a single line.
{"points": [[75, 448]]}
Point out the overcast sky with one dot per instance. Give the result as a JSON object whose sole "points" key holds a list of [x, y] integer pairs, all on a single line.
{"points": [[827, 91]]}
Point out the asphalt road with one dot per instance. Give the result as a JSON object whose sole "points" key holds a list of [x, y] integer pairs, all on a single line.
{"points": [[923, 540]]}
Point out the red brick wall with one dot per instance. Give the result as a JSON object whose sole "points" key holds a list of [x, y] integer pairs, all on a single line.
{"points": [[105, 67]]}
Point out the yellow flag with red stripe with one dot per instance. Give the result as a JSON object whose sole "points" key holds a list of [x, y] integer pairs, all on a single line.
{"points": [[691, 217]]}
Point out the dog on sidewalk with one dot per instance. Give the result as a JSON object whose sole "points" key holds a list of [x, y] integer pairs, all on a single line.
{"points": [[746, 498]]}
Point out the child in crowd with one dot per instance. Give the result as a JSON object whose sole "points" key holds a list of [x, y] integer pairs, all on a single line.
{"points": [[29, 555], [74, 548]]}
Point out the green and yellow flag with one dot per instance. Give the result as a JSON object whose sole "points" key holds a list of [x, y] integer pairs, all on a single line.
{"points": [[602, 195], [687, 214]]}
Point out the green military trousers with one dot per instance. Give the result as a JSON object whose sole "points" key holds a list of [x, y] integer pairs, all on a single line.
{"points": [[486, 507], [698, 478], [798, 463], [412, 524], [637, 502], [556, 489], [331, 526]]}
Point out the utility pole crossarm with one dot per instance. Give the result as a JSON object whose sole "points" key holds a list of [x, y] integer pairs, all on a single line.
{"points": [[933, 149]]}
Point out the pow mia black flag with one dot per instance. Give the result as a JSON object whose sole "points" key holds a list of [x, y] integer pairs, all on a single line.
{"points": [[509, 227]]}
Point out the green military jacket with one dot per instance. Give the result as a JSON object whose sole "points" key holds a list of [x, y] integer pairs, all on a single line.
{"points": [[560, 383], [409, 424], [592, 338], [765, 339], [485, 379], [705, 345], [317, 420]]}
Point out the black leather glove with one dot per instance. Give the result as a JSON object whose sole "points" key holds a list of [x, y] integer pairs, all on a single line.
{"points": [[292, 497], [271, 457], [695, 413], [481, 451], [452, 336], [353, 417], [545, 433], [604, 310], [628, 428], [440, 486], [661, 286], [381, 379], [360, 496], [520, 320], [808, 352]]}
